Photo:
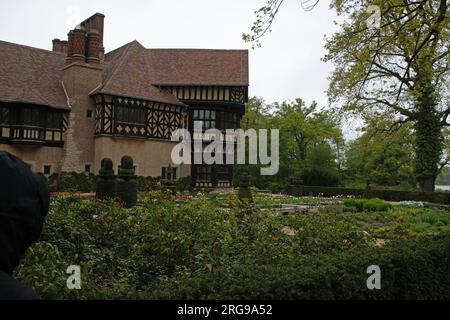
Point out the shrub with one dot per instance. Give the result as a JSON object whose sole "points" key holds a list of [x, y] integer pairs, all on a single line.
{"points": [[184, 184], [76, 182], [411, 269], [368, 204], [126, 185], [164, 248], [318, 177], [146, 184]]}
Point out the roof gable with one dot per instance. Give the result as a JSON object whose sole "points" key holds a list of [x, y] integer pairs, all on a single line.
{"points": [[127, 73]]}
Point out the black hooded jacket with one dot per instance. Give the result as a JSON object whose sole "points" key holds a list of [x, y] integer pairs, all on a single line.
{"points": [[24, 202]]}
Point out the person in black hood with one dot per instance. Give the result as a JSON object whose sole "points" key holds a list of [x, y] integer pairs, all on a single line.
{"points": [[24, 202]]}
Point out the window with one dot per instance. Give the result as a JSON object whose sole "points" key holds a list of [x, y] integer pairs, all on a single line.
{"points": [[207, 117], [47, 169], [230, 120], [212, 119], [204, 172], [54, 120], [30, 117], [132, 115], [87, 168], [169, 173], [4, 115], [88, 113], [223, 172]]}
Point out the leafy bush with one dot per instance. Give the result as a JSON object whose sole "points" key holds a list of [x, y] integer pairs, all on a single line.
{"points": [[184, 184], [368, 204], [146, 184], [319, 177], [70, 182], [169, 248]]}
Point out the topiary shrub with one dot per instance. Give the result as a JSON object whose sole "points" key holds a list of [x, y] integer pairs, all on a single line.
{"points": [[126, 185], [105, 186], [244, 191]]}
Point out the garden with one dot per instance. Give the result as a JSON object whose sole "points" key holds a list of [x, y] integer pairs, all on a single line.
{"points": [[210, 245]]}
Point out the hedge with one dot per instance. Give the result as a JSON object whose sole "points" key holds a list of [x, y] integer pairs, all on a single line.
{"points": [[85, 182], [70, 182], [410, 269], [389, 195]]}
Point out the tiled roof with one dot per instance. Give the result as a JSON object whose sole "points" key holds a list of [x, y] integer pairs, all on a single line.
{"points": [[127, 73], [199, 67], [31, 75], [35, 76]]}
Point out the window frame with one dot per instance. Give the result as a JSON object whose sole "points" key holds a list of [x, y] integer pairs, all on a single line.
{"points": [[131, 115]]}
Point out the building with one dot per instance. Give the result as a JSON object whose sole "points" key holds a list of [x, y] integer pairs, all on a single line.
{"points": [[65, 110]]}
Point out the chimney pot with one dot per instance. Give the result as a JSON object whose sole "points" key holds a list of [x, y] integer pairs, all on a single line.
{"points": [[79, 45], [93, 47]]}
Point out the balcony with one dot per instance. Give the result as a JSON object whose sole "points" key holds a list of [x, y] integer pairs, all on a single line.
{"points": [[34, 135]]}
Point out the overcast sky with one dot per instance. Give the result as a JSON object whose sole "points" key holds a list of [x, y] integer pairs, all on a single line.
{"points": [[287, 66]]}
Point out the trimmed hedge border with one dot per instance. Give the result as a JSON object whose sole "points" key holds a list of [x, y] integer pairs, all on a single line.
{"points": [[411, 269], [389, 195]]}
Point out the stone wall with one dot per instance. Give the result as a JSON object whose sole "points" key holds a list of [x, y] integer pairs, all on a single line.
{"points": [[79, 80]]}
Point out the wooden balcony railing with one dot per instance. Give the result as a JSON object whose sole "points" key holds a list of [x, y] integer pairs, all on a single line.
{"points": [[31, 135]]}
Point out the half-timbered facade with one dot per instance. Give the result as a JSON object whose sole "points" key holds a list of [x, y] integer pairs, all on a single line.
{"points": [[66, 109]]}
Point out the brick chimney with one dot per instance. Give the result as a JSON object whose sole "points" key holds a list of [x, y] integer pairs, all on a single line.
{"points": [[93, 47], [59, 46], [85, 42], [69, 47], [78, 45], [96, 24], [81, 75]]}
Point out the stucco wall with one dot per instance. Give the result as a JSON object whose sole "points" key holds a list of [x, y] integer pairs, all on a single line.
{"points": [[36, 156], [149, 155]]}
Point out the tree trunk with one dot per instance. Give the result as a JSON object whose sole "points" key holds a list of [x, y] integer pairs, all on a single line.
{"points": [[428, 185], [428, 127], [428, 143]]}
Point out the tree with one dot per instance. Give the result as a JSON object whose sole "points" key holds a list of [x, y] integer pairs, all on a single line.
{"points": [[381, 156], [400, 68], [265, 17], [304, 127], [258, 115], [309, 138]]}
